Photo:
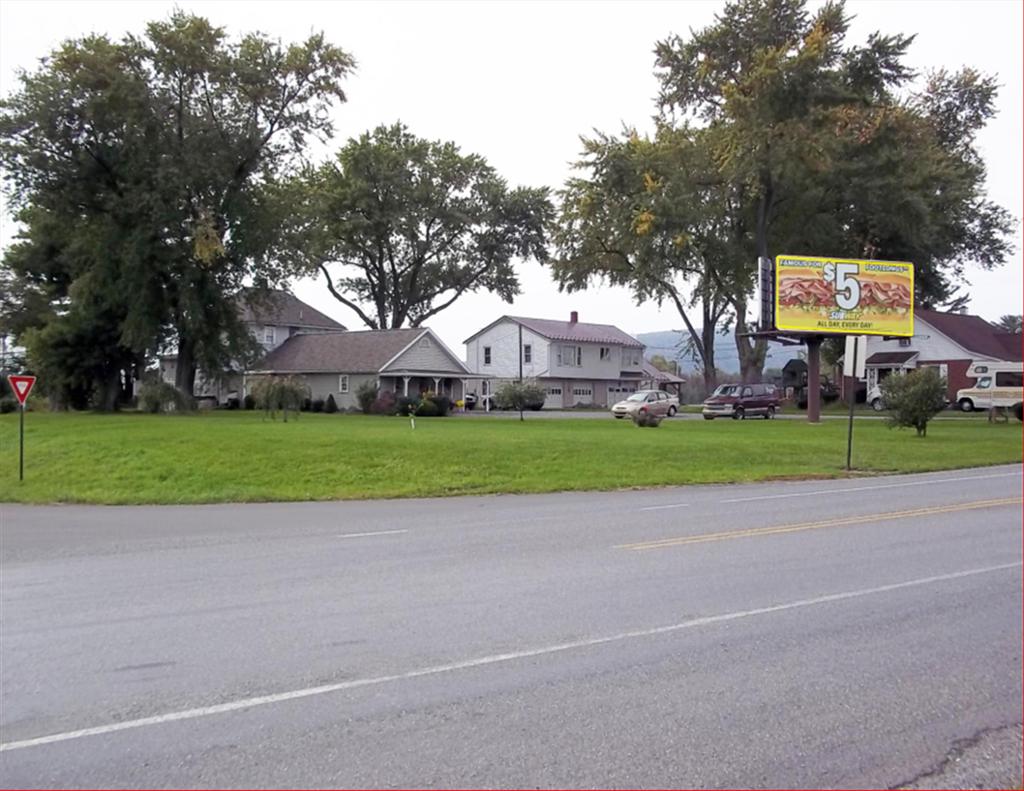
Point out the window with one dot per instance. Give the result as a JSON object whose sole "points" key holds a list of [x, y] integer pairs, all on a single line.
{"points": [[268, 336], [582, 391], [606, 353], [905, 342], [1009, 379], [747, 393], [553, 390], [571, 356], [424, 343], [630, 356], [487, 355], [527, 354], [343, 383], [985, 383]]}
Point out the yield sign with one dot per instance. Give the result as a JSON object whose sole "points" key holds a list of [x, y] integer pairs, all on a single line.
{"points": [[22, 386]]}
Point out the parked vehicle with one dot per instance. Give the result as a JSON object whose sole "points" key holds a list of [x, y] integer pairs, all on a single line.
{"points": [[653, 402], [997, 384], [742, 401]]}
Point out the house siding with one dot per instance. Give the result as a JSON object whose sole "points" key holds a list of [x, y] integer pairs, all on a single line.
{"points": [[322, 385], [503, 338], [426, 358]]}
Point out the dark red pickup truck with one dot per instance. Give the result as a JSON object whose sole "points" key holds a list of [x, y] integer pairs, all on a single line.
{"points": [[742, 401]]}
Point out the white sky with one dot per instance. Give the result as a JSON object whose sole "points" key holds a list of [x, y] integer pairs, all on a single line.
{"points": [[519, 82]]}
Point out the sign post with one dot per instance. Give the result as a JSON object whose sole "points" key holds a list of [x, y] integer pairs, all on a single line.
{"points": [[853, 366], [22, 386]]}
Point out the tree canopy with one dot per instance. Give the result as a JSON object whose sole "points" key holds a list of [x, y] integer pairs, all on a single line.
{"points": [[401, 227], [140, 169]]}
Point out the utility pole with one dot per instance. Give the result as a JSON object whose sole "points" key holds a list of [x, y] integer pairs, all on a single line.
{"points": [[521, 372]]}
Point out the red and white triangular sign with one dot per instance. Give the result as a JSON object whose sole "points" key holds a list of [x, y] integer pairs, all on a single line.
{"points": [[22, 386]]}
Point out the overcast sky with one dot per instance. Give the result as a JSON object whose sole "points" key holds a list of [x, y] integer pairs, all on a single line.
{"points": [[519, 82]]}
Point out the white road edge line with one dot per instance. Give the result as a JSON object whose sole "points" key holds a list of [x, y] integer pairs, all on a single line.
{"points": [[869, 488], [663, 507], [375, 533], [281, 697]]}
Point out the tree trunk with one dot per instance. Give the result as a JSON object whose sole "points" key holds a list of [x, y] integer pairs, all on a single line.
{"points": [[707, 332], [751, 352], [185, 370], [108, 390]]}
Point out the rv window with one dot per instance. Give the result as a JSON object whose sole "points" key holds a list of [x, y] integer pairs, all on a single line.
{"points": [[985, 382], [1009, 379]]}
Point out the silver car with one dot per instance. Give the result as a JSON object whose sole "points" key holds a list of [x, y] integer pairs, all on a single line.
{"points": [[654, 402]]}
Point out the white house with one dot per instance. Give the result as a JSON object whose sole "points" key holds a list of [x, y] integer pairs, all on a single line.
{"points": [[576, 362]]}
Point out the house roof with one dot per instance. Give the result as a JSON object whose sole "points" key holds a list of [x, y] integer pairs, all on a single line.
{"points": [[662, 377], [361, 352], [890, 358], [974, 334], [283, 309], [578, 331]]}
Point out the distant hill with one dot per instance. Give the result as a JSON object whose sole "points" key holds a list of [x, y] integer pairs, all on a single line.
{"points": [[666, 343]]}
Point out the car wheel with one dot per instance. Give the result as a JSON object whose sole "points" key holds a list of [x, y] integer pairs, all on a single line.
{"points": [[877, 405], [769, 413], [671, 411], [739, 414], [619, 417], [709, 417], [966, 405]]}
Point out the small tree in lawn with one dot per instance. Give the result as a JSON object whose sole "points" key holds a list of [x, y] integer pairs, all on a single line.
{"points": [[518, 396], [366, 394], [914, 399], [280, 392], [331, 406]]}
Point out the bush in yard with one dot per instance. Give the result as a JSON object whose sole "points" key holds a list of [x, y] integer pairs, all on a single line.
{"points": [[233, 403], [646, 420], [249, 402], [914, 399], [307, 405], [520, 395], [158, 396], [330, 405], [427, 407], [366, 395], [384, 403], [405, 406], [444, 405], [318, 405], [280, 392]]}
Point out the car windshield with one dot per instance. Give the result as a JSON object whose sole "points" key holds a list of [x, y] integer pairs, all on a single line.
{"points": [[638, 397], [727, 390]]}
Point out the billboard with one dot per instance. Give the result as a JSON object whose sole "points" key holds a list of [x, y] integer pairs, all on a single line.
{"points": [[843, 295]]}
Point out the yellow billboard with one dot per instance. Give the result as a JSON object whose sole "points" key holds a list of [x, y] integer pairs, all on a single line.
{"points": [[843, 295]]}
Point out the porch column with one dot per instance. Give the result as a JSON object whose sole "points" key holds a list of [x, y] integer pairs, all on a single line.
{"points": [[437, 385], [405, 380]]}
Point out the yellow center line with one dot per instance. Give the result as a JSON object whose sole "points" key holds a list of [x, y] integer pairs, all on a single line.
{"points": [[842, 521]]}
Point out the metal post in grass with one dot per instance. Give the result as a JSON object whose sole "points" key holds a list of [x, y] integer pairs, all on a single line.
{"points": [[22, 386], [853, 367]]}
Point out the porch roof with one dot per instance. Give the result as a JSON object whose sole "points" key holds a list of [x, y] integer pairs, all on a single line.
{"points": [[890, 358]]}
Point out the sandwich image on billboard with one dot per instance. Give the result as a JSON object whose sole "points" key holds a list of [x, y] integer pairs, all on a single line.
{"points": [[843, 295]]}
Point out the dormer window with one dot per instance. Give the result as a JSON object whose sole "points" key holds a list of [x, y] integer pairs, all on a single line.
{"points": [[268, 336]]}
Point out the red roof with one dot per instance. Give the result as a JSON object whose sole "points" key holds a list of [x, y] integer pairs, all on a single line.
{"points": [[974, 334]]}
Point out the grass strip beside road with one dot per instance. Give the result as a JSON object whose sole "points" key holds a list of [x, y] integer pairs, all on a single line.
{"points": [[241, 457]]}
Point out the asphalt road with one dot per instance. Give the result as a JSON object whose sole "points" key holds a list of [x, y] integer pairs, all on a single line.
{"points": [[822, 633]]}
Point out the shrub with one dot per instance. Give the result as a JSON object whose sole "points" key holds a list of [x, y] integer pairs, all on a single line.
{"points": [[307, 405], [427, 408], [646, 420], [444, 405], [384, 404], [1018, 411], [159, 396], [330, 405], [280, 392], [318, 405], [366, 395], [914, 399], [520, 395], [405, 406], [7, 405], [233, 403], [249, 402]]}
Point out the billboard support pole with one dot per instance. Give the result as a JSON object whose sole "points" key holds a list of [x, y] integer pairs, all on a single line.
{"points": [[814, 379], [853, 397]]}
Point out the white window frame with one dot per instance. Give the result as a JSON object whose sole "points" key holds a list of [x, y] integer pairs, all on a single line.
{"points": [[570, 356], [487, 355], [342, 383], [527, 354]]}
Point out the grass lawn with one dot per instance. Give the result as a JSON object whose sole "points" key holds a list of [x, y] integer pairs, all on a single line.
{"points": [[240, 456]]}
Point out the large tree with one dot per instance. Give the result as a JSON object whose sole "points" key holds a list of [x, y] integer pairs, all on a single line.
{"points": [[401, 227], [823, 151], [160, 150]]}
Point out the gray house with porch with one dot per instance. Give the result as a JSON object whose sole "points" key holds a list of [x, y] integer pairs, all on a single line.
{"points": [[407, 362]]}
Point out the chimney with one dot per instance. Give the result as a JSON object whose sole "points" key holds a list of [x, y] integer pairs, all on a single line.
{"points": [[574, 317]]}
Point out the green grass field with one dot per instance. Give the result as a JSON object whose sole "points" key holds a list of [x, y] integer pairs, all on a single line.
{"points": [[240, 456]]}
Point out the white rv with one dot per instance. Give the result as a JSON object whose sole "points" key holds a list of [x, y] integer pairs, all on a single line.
{"points": [[997, 384]]}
